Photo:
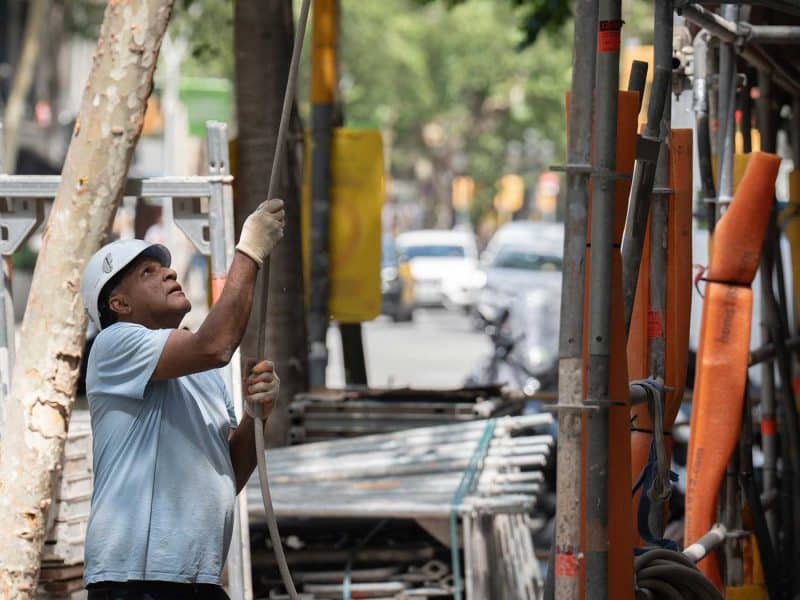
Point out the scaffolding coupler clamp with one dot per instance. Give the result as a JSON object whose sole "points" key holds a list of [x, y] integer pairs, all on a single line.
{"points": [[556, 408], [586, 169], [662, 191], [573, 168]]}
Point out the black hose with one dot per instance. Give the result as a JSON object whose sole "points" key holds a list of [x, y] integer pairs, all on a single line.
{"points": [[664, 574]]}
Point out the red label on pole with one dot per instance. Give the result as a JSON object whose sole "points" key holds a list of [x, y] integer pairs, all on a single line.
{"points": [[768, 426], [566, 565], [655, 324], [609, 35]]}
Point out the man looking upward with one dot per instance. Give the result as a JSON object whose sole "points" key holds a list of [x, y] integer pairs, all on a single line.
{"points": [[169, 456]]}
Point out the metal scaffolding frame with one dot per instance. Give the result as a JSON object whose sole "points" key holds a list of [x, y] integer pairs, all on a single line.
{"points": [[735, 36], [22, 211]]}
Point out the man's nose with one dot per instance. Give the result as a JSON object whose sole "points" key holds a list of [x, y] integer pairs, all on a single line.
{"points": [[170, 273]]}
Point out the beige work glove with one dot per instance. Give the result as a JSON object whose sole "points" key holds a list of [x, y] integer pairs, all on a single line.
{"points": [[262, 230], [261, 390]]}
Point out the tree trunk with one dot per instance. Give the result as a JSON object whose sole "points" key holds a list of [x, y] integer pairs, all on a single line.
{"points": [[23, 79], [92, 182], [264, 31]]}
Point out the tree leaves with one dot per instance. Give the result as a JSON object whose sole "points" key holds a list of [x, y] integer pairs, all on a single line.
{"points": [[535, 16]]}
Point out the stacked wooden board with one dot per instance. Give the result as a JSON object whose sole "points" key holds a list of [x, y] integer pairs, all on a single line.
{"points": [[62, 559]]}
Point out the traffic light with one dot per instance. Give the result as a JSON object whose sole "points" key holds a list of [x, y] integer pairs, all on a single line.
{"points": [[510, 194], [463, 191]]}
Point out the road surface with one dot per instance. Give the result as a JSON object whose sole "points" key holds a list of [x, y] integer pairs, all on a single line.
{"points": [[437, 350]]}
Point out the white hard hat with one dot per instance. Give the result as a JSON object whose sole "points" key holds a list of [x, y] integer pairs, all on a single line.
{"points": [[110, 260]]}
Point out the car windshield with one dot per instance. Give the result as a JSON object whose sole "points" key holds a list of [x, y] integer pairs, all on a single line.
{"points": [[434, 251], [525, 259]]}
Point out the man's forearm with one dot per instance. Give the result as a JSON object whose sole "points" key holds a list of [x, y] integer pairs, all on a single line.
{"points": [[226, 322], [243, 451]]}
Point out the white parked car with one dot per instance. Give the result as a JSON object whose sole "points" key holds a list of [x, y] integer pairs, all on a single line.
{"points": [[444, 267], [522, 255]]}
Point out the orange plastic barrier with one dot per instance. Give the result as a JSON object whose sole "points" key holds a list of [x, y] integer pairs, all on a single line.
{"points": [[740, 232], [724, 346], [674, 324]]}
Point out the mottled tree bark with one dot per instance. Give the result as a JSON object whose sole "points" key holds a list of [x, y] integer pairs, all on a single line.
{"points": [[264, 31], [37, 413]]}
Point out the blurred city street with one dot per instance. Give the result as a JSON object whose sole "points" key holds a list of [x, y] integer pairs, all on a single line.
{"points": [[438, 349]]}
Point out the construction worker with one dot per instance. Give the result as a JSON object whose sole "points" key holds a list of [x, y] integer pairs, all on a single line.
{"points": [[169, 457]]}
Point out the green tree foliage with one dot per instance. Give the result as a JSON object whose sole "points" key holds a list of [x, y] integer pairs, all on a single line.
{"points": [[208, 27], [459, 86], [453, 88], [535, 16]]}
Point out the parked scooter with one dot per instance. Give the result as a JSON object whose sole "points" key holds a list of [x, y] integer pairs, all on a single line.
{"points": [[502, 366]]}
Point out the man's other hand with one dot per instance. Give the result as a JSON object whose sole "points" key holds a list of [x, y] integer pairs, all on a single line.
{"points": [[261, 390]]}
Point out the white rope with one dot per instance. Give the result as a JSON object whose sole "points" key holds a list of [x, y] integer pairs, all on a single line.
{"points": [[272, 523]]}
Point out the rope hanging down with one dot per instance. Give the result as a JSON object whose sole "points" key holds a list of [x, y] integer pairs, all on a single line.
{"points": [[661, 571], [288, 98]]}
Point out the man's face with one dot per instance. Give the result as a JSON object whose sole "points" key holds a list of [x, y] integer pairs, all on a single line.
{"points": [[149, 294]]}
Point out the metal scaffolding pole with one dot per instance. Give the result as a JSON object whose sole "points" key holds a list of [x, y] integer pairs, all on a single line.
{"points": [[771, 34], [701, 110], [794, 137], [603, 188], [727, 106], [570, 342], [323, 66], [727, 31], [662, 54], [769, 439], [642, 189]]}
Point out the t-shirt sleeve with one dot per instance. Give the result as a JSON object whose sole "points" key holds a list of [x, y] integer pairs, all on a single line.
{"points": [[123, 359]]}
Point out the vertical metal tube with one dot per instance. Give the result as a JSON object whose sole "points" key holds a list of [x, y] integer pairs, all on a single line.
{"points": [[570, 341], [700, 107], [662, 55], [7, 345], [788, 425], [603, 188], [768, 405], [727, 107], [781, 401], [637, 80], [641, 191], [766, 546], [220, 222], [769, 439], [732, 519], [795, 133], [355, 366], [7, 341], [323, 81], [746, 123], [765, 113]]}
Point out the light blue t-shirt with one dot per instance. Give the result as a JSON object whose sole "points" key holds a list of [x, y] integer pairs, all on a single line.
{"points": [[164, 487]]}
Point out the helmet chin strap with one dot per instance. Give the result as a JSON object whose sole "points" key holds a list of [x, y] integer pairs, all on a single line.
{"points": [[269, 511]]}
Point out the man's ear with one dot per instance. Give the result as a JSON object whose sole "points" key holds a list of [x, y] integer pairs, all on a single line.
{"points": [[118, 302]]}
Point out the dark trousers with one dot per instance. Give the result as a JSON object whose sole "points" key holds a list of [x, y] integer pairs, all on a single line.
{"points": [[154, 590]]}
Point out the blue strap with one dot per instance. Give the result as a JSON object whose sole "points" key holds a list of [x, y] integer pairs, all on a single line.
{"points": [[645, 482], [465, 487]]}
